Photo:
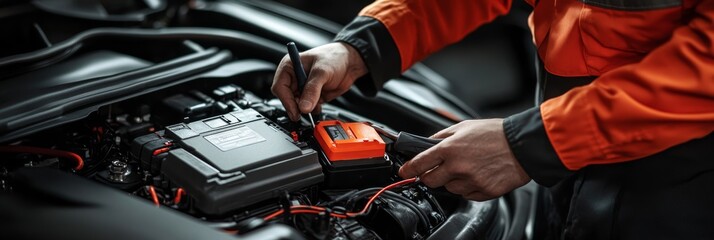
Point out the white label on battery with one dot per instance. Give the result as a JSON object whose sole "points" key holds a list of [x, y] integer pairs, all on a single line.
{"points": [[235, 138]]}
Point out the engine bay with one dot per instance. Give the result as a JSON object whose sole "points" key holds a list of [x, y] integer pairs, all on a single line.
{"points": [[227, 156], [173, 128]]}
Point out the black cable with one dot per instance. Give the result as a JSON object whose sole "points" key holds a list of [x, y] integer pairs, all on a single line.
{"points": [[341, 198], [411, 205], [359, 195], [392, 196], [433, 201]]}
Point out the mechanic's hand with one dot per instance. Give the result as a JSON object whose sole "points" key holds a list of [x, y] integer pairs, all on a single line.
{"points": [[474, 160], [331, 69]]}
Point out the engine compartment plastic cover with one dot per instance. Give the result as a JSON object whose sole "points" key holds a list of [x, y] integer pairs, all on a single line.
{"points": [[237, 159]]}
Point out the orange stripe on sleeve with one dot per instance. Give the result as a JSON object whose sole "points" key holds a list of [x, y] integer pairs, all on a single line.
{"points": [[423, 27]]}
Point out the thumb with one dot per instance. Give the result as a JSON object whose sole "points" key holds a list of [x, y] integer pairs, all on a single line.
{"points": [[313, 88], [423, 162], [310, 95]]}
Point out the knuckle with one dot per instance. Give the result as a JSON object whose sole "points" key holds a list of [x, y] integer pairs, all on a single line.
{"points": [[491, 192], [320, 70], [274, 88], [279, 90], [276, 91], [313, 84], [285, 60], [456, 189]]}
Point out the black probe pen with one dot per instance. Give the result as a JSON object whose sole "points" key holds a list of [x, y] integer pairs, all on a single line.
{"points": [[299, 72]]}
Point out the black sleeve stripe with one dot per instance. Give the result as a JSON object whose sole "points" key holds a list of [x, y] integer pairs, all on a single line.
{"points": [[530, 145], [372, 39]]}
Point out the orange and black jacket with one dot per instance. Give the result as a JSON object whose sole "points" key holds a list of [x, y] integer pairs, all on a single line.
{"points": [[652, 61]]}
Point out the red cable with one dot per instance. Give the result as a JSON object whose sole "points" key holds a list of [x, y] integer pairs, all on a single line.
{"points": [[45, 151], [154, 197], [273, 215], [297, 209], [301, 211], [315, 209], [390, 186], [317, 213], [179, 192]]}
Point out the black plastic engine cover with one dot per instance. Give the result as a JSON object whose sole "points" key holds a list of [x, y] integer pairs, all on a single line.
{"points": [[237, 159]]}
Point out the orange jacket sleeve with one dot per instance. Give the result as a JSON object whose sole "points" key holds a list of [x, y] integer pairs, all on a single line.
{"points": [[422, 27], [640, 109]]}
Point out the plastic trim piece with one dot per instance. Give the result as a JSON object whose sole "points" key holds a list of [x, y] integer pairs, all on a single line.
{"points": [[55, 104], [15, 124], [90, 36]]}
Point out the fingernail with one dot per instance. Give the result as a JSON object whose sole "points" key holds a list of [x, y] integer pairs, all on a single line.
{"points": [[305, 105]]}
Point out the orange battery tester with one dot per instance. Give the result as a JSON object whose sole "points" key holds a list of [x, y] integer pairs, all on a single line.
{"points": [[349, 141]]}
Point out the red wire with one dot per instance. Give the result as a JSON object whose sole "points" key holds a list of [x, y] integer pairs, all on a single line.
{"points": [[179, 192], [154, 197], [297, 209], [390, 186], [301, 211], [314, 209], [317, 213], [45, 151], [273, 215]]}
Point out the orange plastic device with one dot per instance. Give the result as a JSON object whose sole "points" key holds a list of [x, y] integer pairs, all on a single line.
{"points": [[349, 141]]}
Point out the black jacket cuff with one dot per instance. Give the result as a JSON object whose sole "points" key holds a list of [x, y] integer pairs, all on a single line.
{"points": [[374, 43], [530, 145]]}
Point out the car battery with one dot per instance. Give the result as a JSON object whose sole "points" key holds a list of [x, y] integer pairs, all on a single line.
{"points": [[353, 155], [233, 160]]}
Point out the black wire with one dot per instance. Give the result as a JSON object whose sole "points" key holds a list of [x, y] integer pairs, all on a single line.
{"points": [[411, 205], [433, 201], [341, 198], [392, 196], [98, 163], [359, 195]]}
